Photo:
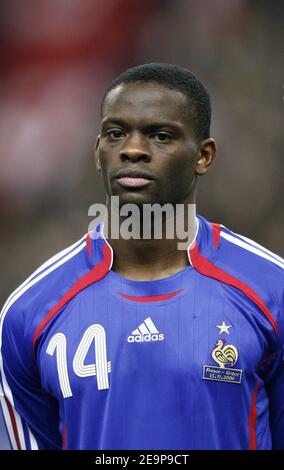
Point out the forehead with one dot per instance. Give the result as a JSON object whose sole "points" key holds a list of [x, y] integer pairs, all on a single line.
{"points": [[146, 101]]}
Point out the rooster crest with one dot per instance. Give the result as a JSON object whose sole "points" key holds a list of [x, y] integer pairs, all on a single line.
{"points": [[224, 355]]}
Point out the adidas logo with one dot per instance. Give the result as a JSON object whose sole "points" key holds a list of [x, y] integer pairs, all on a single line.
{"points": [[145, 332]]}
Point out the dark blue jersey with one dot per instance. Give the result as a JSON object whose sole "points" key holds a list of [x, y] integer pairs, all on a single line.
{"points": [[92, 360]]}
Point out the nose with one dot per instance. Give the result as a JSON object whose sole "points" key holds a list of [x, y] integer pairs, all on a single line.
{"points": [[135, 148]]}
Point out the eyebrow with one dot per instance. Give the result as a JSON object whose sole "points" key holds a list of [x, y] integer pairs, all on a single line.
{"points": [[149, 127], [117, 121]]}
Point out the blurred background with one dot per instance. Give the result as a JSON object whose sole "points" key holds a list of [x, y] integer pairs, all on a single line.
{"points": [[57, 57]]}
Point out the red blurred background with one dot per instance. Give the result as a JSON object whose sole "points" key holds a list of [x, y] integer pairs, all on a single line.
{"points": [[57, 57]]}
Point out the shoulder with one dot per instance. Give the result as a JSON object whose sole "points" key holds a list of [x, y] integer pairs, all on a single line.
{"points": [[25, 306], [245, 270], [254, 266], [246, 255], [237, 254]]}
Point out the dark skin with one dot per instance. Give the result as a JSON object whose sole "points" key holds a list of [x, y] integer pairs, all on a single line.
{"points": [[148, 127]]}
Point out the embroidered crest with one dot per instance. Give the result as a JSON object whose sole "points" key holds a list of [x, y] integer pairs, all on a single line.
{"points": [[224, 355]]}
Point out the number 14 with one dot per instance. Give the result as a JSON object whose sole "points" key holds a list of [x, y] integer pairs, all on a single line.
{"points": [[93, 336]]}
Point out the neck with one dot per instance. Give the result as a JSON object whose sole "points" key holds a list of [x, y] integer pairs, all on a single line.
{"points": [[140, 258]]}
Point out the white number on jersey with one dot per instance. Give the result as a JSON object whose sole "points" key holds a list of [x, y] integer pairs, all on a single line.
{"points": [[58, 344], [94, 336]]}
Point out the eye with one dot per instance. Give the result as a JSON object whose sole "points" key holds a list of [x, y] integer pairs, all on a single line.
{"points": [[161, 136], [115, 134]]}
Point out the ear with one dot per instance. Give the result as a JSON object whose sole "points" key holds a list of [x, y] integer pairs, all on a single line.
{"points": [[96, 152], [206, 155]]}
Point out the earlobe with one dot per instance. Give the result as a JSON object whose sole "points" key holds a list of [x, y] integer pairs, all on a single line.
{"points": [[98, 165], [98, 162], [97, 157], [206, 155]]}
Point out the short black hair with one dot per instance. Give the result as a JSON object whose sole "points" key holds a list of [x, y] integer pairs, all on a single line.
{"points": [[176, 78]]}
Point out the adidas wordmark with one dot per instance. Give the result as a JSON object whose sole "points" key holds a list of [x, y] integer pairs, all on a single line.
{"points": [[145, 332]]}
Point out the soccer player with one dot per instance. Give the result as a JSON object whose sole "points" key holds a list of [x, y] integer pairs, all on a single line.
{"points": [[133, 343]]}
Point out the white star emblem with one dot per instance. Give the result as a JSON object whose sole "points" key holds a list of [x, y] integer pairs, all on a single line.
{"points": [[224, 328]]}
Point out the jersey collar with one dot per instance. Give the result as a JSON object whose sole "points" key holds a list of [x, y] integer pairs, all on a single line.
{"points": [[205, 243]]}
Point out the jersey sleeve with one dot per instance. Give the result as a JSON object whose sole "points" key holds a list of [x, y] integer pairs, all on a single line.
{"points": [[275, 390], [31, 415], [261, 272]]}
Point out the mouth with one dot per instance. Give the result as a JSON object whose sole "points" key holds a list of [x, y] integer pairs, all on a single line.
{"points": [[133, 182], [133, 179]]}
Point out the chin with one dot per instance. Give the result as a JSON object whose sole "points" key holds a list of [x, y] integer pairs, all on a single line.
{"points": [[136, 199]]}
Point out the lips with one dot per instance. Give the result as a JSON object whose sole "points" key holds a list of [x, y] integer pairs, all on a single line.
{"points": [[133, 182], [133, 178]]}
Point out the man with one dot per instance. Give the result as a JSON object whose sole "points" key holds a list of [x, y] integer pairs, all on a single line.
{"points": [[134, 343]]}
